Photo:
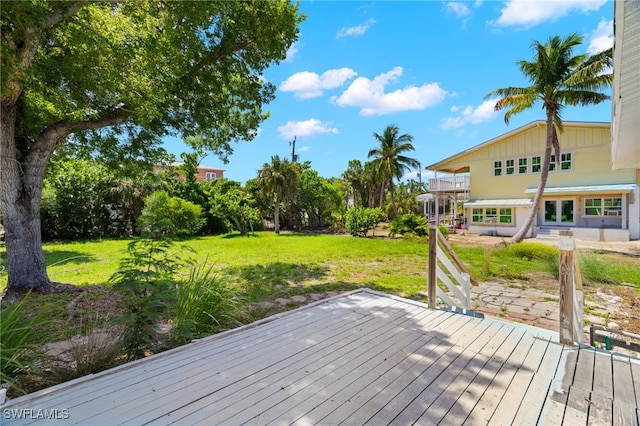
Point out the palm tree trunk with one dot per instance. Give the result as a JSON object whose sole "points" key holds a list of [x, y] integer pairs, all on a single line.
{"points": [[544, 175], [393, 201], [382, 185], [276, 218]]}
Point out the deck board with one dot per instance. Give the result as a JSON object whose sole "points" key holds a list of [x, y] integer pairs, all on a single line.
{"points": [[359, 358]]}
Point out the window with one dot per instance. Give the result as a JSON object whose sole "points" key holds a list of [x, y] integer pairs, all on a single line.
{"points": [[477, 215], [210, 175], [510, 167], [491, 215], [603, 206], [552, 164], [536, 165], [506, 215], [565, 161], [497, 168], [522, 166]]}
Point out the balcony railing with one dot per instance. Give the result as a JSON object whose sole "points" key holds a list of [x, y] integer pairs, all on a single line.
{"points": [[451, 183]]}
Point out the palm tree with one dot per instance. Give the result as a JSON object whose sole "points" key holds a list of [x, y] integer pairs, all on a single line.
{"points": [[279, 181], [353, 177], [389, 162], [557, 79]]}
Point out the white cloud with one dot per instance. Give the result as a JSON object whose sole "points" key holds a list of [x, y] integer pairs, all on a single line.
{"points": [[458, 8], [370, 96], [601, 38], [528, 13], [292, 51], [470, 115], [356, 31], [306, 128], [304, 149], [306, 84]]}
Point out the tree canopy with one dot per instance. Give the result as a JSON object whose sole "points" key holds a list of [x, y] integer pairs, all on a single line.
{"points": [[113, 78]]}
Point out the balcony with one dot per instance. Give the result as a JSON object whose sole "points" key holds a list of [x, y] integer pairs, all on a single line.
{"points": [[450, 184]]}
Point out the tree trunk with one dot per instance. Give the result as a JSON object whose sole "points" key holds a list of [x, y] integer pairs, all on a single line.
{"points": [[544, 174], [276, 218], [393, 200], [21, 181]]}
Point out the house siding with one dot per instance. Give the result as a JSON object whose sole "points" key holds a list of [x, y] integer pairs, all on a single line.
{"points": [[589, 145]]}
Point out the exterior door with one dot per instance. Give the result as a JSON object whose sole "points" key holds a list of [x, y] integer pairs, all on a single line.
{"points": [[559, 212]]}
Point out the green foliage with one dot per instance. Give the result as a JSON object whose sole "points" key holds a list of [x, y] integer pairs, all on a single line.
{"points": [[361, 220], [529, 250], [75, 201], [316, 198], [278, 182], [389, 162], [236, 207], [409, 224], [18, 349], [165, 216], [444, 231], [112, 79], [146, 277], [601, 269], [206, 303]]}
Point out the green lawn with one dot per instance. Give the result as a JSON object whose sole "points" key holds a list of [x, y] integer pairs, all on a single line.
{"points": [[268, 265]]}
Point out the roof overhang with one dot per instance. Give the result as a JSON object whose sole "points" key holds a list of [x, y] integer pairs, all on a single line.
{"points": [[587, 189], [510, 202], [625, 125]]}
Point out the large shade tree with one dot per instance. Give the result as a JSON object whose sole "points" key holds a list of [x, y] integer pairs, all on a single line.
{"points": [[558, 79], [112, 78], [389, 161], [278, 180]]}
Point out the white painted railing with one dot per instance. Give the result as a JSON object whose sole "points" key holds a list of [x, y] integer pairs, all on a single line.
{"points": [[451, 183], [445, 267]]}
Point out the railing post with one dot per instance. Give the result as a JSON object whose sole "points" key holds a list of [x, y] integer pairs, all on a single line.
{"points": [[431, 284], [567, 288]]}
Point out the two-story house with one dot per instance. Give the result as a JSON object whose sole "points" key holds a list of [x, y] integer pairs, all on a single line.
{"points": [[203, 173], [582, 193]]}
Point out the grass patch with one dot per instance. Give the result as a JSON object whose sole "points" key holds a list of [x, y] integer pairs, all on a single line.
{"points": [[599, 268]]}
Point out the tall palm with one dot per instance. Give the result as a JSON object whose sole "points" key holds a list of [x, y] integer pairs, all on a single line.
{"points": [[353, 177], [558, 78], [389, 161], [279, 181]]}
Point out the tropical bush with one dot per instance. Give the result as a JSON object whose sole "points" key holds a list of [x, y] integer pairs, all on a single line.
{"points": [[411, 224], [169, 216], [361, 220]]}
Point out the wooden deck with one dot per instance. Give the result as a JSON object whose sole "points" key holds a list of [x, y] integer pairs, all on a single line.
{"points": [[361, 358]]}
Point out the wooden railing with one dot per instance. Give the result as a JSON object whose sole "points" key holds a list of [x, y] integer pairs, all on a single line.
{"points": [[452, 183], [571, 293], [441, 254]]}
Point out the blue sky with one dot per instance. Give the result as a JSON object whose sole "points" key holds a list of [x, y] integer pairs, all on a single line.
{"points": [[424, 66]]}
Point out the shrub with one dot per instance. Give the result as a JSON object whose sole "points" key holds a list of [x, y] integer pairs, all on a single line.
{"points": [[146, 279], [409, 224], [169, 216], [17, 350], [92, 353], [530, 250], [361, 220], [444, 231], [205, 304]]}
